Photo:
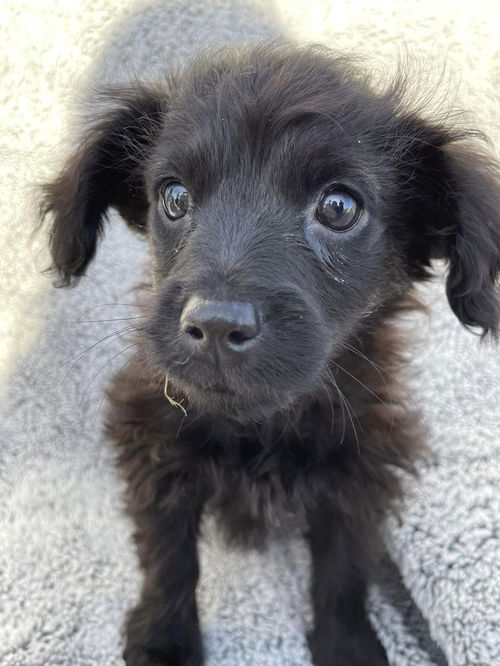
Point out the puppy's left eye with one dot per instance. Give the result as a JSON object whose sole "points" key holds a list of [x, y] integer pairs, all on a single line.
{"points": [[175, 200], [338, 210]]}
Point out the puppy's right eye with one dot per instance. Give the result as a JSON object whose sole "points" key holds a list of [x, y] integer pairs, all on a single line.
{"points": [[175, 200]]}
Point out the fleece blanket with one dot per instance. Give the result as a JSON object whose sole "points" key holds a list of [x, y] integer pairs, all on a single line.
{"points": [[68, 572]]}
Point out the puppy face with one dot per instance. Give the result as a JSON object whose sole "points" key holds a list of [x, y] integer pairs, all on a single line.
{"points": [[275, 219], [287, 205]]}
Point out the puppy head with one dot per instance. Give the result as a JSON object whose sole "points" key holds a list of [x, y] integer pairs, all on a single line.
{"points": [[287, 205]]}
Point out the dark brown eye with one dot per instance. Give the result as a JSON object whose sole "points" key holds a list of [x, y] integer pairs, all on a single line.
{"points": [[175, 200], [338, 210]]}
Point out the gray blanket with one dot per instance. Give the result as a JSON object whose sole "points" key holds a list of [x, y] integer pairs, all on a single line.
{"points": [[67, 566]]}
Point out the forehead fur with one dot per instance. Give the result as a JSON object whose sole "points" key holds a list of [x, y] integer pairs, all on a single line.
{"points": [[305, 113]]}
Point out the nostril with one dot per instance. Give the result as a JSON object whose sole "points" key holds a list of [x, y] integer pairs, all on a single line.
{"points": [[219, 325], [238, 337], [195, 332]]}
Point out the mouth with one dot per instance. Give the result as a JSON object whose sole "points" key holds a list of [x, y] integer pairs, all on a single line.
{"points": [[188, 386], [201, 394], [217, 389], [250, 405]]}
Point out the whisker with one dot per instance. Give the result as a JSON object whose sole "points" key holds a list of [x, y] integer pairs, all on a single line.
{"points": [[102, 305], [101, 321], [184, 417], [378, 369], [104, 366], [344, 395], [333, 382], [108, 387], [349, 407], [186, 360], [87, 349], [408, 395], [101, 350], [359, 382], [332, 411], [285, 428], [258, 435], [342, 438]]}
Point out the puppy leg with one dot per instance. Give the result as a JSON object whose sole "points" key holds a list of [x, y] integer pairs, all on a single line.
{"points": [[342, 634], [163, 628]]}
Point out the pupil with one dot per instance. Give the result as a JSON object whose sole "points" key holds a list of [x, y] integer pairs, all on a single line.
{"points": [[335, 207], [181, 200], [338, 209], [177, 201]]}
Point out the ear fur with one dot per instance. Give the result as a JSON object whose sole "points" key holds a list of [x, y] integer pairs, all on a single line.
{"points": [[451, 192], [472, 243], [105, 171]]}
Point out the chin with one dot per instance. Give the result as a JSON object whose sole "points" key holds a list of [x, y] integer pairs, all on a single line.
{"points": [[249, 406]]}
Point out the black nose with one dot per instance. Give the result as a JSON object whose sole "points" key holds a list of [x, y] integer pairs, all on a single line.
{"points": [[224, 326]]}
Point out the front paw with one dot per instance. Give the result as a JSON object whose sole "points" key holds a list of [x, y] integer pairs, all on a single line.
{"points": [[139, 655], [346, 649], [161, 641], [135, 655]]}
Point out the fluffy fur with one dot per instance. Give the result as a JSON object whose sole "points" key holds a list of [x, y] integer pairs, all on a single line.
{"points": [[307, 426]]}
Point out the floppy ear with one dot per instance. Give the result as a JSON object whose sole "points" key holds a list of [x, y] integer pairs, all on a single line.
{"points": [[463, 226], [472, 243], [105, 171], [453, 198]]}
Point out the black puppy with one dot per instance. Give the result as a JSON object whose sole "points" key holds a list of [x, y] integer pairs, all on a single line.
{"points": [[289, 208]]}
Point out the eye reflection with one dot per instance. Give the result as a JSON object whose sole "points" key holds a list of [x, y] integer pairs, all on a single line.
{"points": [[175, 200], [338, 210]]}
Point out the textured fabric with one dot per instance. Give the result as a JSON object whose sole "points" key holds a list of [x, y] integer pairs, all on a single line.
{"points": [[67, 566]]}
